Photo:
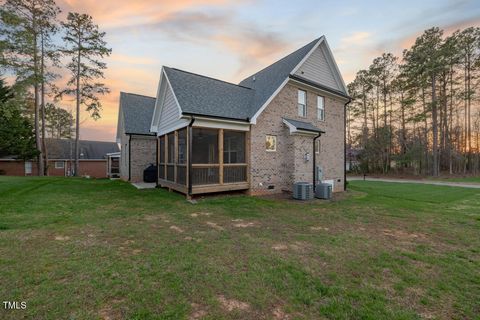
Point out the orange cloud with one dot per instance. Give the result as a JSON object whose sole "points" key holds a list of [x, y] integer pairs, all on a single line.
{"points": [[121, 13]]}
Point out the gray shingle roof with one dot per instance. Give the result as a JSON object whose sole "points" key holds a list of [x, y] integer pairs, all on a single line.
{"points": [[269, 79], [65, 149], [202, 95], [300, 125], [137, 112]]}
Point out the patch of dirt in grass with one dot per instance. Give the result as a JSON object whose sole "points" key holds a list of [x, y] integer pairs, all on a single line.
{"points": [[244, 224], [402, 235], [198, 214], [188, 238], [153, 217], [136, 251], [62, 238], [177, 229], [318, 228], [295, 246], [232, 304], [278, 314], [280, 247], [110, 313], [197, 312], [215, 226]]}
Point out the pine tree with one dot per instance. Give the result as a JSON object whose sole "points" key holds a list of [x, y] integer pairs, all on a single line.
{"points": [[85, 46], [23, 22]]}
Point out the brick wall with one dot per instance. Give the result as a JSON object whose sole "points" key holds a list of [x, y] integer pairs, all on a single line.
{"points": [[92, 168], [287, 165], [143, 153]]}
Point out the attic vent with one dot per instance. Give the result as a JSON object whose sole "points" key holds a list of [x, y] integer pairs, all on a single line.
{"points": [[253, 78]]}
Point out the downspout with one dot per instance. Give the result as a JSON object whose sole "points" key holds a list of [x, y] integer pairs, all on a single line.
{"points": [[315, 160], [345, 144], [129, 157], [190, 136]]}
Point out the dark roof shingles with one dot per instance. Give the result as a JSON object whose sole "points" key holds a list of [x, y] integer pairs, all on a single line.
{"points": [[89, 150], [137, 112], [301, 125], [202, 95]]}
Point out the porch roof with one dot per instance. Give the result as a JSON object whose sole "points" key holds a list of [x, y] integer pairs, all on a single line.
{"points": [[296, 126]]}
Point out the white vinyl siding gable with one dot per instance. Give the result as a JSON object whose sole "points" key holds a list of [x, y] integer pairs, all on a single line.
{"points": [[170, 113], [319, 70]]}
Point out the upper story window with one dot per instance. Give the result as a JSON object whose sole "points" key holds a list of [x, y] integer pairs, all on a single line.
{"points": [[320, 108], [302, 103]]}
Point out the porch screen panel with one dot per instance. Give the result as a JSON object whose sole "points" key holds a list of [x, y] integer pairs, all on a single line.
{"points": [[233, 147], [182, 157], [161, 167], [205, 156], [171, 157], [205, 146], [171, 148], [182, 147], [235, 166]]}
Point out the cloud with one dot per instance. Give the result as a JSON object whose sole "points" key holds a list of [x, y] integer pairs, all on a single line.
{"points": [[122, 13], [253, 45], [356, 38], [131, 60]]}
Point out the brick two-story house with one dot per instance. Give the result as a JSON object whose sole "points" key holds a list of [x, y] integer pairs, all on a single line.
{"points": [[262, 135]]}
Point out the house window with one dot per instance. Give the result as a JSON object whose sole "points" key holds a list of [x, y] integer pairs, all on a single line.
{"points": [[271, 143], [233, 147], [302, 103], [28, 167], [320, 108], [59, 165], [317, 146]]}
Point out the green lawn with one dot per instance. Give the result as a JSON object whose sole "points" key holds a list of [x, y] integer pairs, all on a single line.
{"points": [[462, 179], [99, 249]]}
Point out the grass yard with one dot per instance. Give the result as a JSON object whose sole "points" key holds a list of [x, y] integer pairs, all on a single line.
{"points": [[460, 179], [100, 249]]}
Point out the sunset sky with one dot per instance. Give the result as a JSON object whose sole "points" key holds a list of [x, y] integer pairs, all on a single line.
{"points": [[231, 39]]}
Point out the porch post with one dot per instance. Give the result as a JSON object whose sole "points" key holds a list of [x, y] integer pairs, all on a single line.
{"points": [[220, 154]]}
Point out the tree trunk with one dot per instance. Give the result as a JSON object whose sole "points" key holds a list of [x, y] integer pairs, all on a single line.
{"points": [[435, 164], [38, 141], [77, 120], [42, 73]]}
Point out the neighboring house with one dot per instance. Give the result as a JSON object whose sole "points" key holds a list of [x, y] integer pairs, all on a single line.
{"points": [[277, 127], [93, 159], [138, 145]]}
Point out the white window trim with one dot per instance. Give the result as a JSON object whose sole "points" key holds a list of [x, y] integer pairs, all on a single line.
{"points": [[323, 109], [317, 146], [59, 167], [275, 145], [304, 115]]}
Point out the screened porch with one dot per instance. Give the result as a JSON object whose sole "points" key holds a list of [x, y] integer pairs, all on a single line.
{"points": [[196, 160]]}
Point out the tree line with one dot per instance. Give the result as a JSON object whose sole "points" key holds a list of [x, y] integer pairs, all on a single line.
{"points": [[419, 113], [36, 48]]}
